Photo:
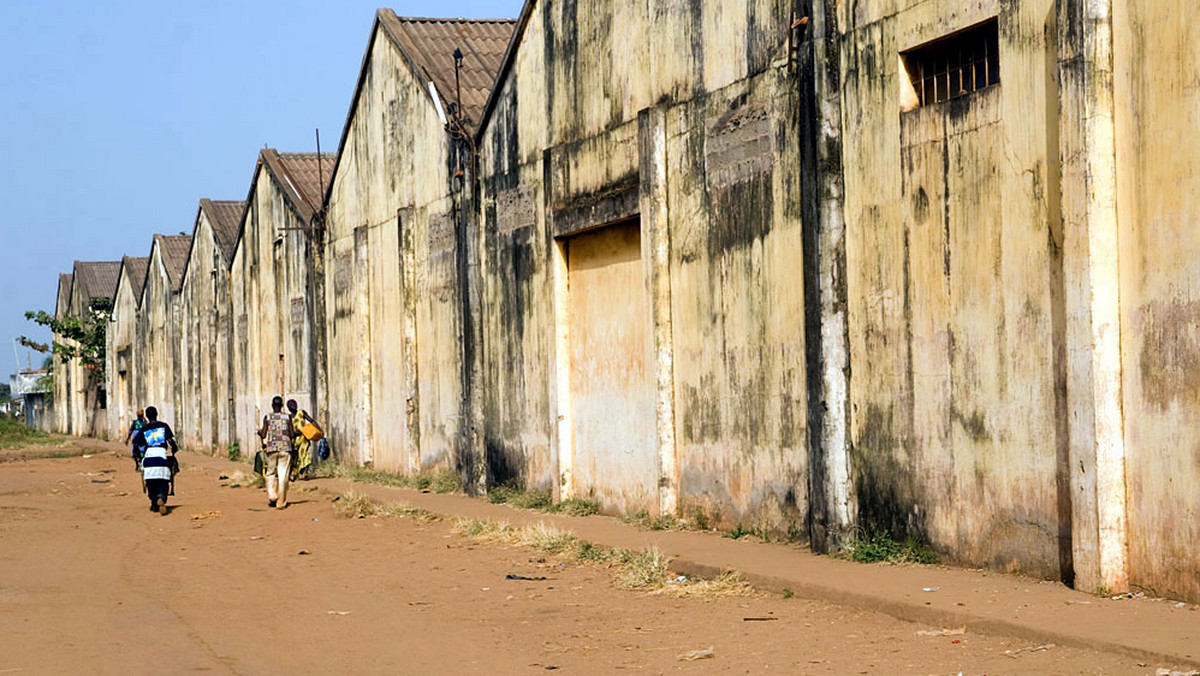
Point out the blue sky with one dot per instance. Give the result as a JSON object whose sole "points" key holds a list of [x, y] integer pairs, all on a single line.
{"points": [[118, 117]]}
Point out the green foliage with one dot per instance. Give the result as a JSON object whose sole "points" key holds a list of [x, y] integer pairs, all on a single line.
{"points": [[738, 532], [234, 451], [644, 521], [15, 434], [876, 545], [577, 507], [509, 495], [5, 393], [444, 482], [541, 501], [88, 333]]}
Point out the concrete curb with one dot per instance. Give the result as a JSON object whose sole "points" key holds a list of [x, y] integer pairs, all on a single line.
{"points": [[1028, 609], [922, 614]]}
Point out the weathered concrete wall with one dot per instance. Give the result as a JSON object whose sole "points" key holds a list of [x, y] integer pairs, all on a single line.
{"points": [[205, 421], [62, 405], [158, 341], [955, 284], [86, 416], [684, 115], [392, 299], [1156, 102], [120, 352], [273, 332]]}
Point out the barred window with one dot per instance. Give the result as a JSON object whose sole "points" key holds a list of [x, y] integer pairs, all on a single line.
{"points": [[954, 65]]}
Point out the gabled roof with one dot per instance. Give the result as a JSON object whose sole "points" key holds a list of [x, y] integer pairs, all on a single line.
{"points": [[506, 63], [302, 176], [225, 217], [65, 281], [173, 249], [428, 46], [135, 268], [92, 280]]}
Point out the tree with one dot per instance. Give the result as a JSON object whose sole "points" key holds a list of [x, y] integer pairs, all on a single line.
{"points": [[88, 333]]}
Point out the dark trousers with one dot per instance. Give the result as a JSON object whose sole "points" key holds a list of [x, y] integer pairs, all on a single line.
{"points": [[157, 489]]}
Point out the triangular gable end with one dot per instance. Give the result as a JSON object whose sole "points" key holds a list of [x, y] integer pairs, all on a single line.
{"points": [[510, 55], [422, 65]]}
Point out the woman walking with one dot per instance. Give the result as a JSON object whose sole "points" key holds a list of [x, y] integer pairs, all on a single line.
{"points": [[305, 434]]}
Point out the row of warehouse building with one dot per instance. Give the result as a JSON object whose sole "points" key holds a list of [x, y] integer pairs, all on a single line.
{"points": [[816, 267]]}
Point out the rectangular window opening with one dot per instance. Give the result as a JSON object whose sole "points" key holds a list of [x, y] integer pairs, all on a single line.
{"points": [[951, 66]]}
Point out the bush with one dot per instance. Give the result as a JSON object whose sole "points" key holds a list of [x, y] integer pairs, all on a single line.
{"points": [[14, 434], [875, 545]]}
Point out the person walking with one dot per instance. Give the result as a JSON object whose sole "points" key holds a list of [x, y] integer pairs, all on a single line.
{"points": [[158, 468], [305, 433], [276, 433], [134, 428]]}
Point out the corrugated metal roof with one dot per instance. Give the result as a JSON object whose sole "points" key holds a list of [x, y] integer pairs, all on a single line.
{"points": [[135, 269], [174, 251], [95, 279], [226, 219], [430, 44]]}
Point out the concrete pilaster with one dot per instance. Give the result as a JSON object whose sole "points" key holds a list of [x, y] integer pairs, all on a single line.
{"points": [[1090, 260]]}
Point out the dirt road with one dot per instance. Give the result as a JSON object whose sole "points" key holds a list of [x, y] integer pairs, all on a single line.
{"points": [[92, 582]]}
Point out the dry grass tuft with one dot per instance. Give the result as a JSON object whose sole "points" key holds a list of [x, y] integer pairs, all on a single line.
{"points": [[647, 570], [727, 584], [439, 482], [354, 505]]}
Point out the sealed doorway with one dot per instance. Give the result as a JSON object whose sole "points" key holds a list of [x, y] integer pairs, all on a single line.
{"points": [[612, 405]]}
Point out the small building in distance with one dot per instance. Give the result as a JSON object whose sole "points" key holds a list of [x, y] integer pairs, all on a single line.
{"points": [[31, 396]]}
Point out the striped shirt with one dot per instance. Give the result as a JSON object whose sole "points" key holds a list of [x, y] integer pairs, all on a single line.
{"points": [[156, 464], [156, 437]]}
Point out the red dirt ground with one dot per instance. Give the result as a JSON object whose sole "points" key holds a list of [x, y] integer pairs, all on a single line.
{"points": [[92, 582]]}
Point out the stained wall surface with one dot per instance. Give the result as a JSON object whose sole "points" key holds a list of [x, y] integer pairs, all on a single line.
{"points": [[579, 137], [123, 364], [393, 302], [274, 352], [954, 275], [1157, 99], [158, 350], [62, 376], [206, 402]]}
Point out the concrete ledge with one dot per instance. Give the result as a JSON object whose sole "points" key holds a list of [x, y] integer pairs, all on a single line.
{"points": [[985, 602]]}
